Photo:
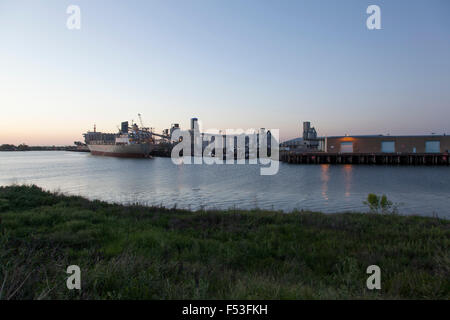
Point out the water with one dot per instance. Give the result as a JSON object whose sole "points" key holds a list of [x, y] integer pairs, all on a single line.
{"points": [[327, 188]]}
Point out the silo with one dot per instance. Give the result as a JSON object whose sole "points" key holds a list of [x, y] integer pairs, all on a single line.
{"points": [[194, 123], [306, 127]]}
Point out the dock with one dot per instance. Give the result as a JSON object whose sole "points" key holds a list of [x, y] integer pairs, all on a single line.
{"points": [[365, 158]]}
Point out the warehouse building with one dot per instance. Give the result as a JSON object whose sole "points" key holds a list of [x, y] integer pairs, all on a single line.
{"points": [[387, 144]]}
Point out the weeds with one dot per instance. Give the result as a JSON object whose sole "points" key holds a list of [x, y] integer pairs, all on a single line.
{"points": [[137, 252]]}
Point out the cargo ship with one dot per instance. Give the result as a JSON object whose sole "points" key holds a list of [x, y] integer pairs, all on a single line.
{"points": [[129, 142]]}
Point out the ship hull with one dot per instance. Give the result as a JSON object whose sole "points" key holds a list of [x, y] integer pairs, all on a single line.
{"points": [[123, 151]]}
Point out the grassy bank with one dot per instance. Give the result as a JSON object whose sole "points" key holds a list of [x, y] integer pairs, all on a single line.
{"points": [[135, 252]]}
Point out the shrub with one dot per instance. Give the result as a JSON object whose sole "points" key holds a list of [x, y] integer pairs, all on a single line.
{"points": [[377, 204]]}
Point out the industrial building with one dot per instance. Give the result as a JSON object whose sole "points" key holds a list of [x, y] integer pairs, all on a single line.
{"points": [[387, 144], [368, 149], [308, 141]]}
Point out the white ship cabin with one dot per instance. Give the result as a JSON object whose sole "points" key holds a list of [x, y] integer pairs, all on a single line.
{"points": [[123, 139]]}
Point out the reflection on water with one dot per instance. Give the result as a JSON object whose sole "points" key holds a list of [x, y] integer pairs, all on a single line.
{"points": [[325, 177], [348, 168], [328, 188]]}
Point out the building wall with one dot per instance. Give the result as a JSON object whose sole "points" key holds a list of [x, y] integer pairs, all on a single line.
{"points": [[403, 144]]}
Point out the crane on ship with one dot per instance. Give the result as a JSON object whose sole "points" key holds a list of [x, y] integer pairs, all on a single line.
{"points": [[150, 130], [142, 123]]}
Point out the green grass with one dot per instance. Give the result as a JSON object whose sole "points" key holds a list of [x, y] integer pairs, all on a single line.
{"points": [[137, 252]]}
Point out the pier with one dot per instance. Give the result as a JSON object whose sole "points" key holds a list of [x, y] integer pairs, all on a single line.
{"points": [[365, 158]]}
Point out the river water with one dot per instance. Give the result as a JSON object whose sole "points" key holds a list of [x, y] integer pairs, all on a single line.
{"points": [[327, 188]]}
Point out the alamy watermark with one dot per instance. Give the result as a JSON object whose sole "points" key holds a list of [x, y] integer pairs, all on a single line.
{"points": [[74, 280], [373, 22], [74, 20], [374, 280], [229, 146]]}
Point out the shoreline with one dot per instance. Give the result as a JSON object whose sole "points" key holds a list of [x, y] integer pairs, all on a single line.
{"points": [[394, 210]]}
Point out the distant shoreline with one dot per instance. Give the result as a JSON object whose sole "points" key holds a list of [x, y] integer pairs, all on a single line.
{"points": [[24, 147], [47, 149]]}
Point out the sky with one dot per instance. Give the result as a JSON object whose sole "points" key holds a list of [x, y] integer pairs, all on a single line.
{"points": [[232, 64]]}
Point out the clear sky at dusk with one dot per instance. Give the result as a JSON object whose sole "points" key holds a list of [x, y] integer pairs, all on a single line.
{"points": [[233, 64]]}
